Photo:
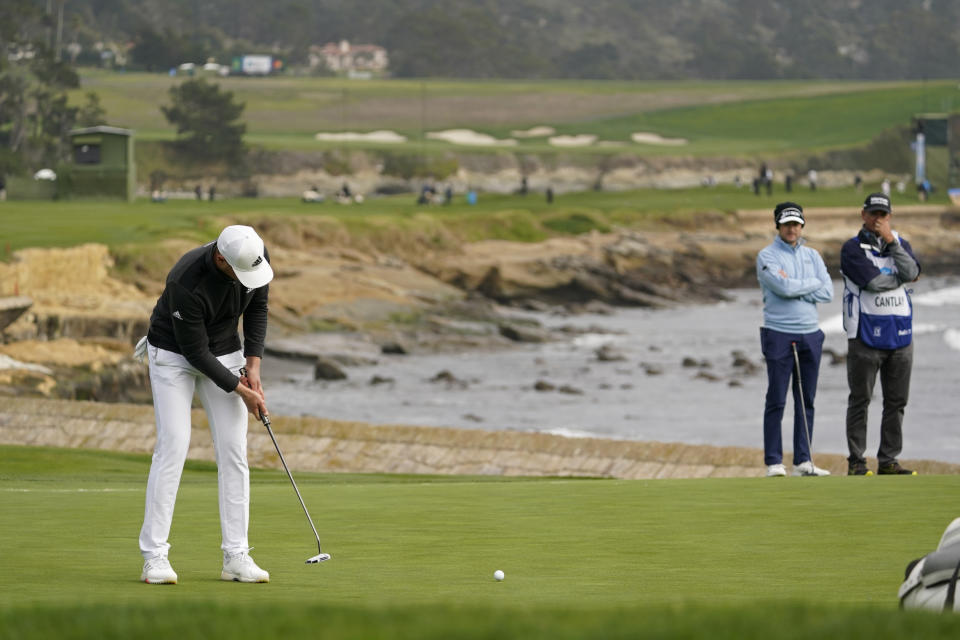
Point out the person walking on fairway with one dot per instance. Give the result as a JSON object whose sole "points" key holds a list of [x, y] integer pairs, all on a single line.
{"points": [[193, 345], [878, 318], [793, 279]]}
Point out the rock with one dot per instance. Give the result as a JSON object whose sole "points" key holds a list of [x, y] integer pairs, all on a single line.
{"points": [[571, 390], [743, 363], [689, 362], [608, 353], [375, 380], [449, 379], [327, 369], [734, 383], [393, 348], [704, 375], [523, 334], [651, 369], [597, 307], [472, 418], [543, 385]]}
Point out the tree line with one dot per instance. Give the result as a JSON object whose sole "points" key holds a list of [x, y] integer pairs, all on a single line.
{"points": [[607, 39]]}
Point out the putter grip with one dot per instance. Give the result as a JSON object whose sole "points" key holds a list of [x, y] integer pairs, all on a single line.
{"points": [[265, 419]]}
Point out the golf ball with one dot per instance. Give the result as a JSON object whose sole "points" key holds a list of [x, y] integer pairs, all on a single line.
{"points": [[498, 575]]}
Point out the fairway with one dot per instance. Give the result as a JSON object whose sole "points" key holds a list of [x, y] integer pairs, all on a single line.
{"points": [[716, 118], [71, 519]]}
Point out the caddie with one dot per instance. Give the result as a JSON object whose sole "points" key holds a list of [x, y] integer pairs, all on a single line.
{"points": [[878, 318]]}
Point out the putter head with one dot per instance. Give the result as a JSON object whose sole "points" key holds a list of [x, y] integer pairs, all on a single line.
{"points": [[317, 559]]}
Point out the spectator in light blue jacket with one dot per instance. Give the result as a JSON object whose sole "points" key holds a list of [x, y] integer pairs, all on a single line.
{"points": [[793, 279]]}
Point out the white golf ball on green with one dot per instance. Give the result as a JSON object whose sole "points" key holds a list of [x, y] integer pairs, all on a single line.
{"points": [[498, 575]]}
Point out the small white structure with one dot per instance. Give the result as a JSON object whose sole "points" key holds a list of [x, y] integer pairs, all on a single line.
{"points": [[344, 57]]}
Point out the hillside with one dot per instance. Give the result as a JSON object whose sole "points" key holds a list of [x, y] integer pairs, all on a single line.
{"points": [[649, 39]]}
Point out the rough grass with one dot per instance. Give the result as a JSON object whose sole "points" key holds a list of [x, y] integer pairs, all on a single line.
{"points": [[388, 221], [414, 556]]}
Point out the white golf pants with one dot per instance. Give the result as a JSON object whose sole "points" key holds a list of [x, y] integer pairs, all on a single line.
{"points": [[173, 381]]}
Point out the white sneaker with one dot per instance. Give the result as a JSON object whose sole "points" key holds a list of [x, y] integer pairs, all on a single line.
{"points": [[158, 571], [775, 470], [240, 567], [809, 469]]}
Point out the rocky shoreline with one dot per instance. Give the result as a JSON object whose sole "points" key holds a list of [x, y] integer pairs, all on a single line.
{"points": [[338, 305]]}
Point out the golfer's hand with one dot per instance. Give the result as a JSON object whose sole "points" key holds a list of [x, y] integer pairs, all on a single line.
{"points": [[250, 374], [254, 400]]}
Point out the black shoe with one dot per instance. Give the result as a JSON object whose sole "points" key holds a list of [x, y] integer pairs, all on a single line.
{"points": [[894, 469], [858, 469]]}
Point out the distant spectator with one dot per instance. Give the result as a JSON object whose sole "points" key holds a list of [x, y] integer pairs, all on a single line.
{"points": [[857, 182], [885, 187], [788, 182], [471, 197], [427, 194], [549, 195], [344, 195], [158, 196], [448, 195], [212, 193], [768, 181], [3, 188], [812, 179], [199, 191], [901, 187], [523, 186], [737, 182], [756, 186]]}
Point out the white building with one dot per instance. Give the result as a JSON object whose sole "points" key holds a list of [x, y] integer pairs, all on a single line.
{"points": [[344, 57]]}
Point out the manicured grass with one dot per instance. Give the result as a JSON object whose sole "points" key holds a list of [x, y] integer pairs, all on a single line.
{"points": [[727, 118], [510, 217], [414, 556]]}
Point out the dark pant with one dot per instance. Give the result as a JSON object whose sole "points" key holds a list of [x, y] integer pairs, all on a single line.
{"points": [[894, 365], [781, 368]]}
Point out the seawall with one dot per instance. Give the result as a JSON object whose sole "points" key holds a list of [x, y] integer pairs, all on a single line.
{"points": [[314, 444]]}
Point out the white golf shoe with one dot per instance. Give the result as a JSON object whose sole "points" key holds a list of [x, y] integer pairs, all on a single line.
{"points": [[158, 571], [809, 469], [240, 567], [776, 470]]}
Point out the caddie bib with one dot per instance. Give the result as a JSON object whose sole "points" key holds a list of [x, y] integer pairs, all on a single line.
{"points": [[881, 319]]}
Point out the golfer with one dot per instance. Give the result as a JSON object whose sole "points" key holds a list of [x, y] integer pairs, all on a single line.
{"points": [[193, 345], [793, 279]]}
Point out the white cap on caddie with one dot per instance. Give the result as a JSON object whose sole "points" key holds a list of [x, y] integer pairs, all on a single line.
{"points": [[243, 250]]}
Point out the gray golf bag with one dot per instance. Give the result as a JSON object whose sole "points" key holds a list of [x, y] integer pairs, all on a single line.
{"points": [[931, 582]]}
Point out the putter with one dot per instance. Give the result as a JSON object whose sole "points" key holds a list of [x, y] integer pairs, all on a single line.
{"points": [[321, 556], [803, 408]]}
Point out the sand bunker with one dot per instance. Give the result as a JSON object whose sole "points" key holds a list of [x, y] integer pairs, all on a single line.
{"points": [[468, 137], [534, 132], [654, 138], [582, 140], [373, 136]]}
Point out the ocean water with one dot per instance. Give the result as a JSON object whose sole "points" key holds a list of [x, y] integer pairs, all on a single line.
{"points": [[650, 394]]}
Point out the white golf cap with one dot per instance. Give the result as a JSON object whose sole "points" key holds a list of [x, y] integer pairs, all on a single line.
{"points": [[243, 250]]}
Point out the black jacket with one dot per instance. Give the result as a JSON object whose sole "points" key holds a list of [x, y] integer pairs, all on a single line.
{"points": [[198, 313]]}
